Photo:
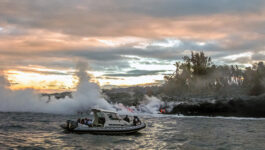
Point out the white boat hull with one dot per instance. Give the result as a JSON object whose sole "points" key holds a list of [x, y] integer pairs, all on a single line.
{"points": [[105, 130]]}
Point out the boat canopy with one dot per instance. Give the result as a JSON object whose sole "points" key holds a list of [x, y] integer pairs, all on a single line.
{"points": [[104, 117], [102, 110]]}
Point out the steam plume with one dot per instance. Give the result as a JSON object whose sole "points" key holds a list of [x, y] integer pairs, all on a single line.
{"points": [[87, 96]]}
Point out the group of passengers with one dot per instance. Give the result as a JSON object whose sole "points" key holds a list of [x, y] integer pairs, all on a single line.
{"points": [[85, 121]]}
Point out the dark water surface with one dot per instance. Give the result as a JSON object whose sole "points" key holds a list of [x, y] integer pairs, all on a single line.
{"points": [[42, 131]]}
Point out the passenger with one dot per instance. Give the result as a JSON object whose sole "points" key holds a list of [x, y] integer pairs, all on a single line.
{"points": [[127, 119], [79, 120], [82, 121], [86, 120], [136, 120], [89, 122]]}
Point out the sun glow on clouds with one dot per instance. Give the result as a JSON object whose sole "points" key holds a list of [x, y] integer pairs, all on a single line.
{"points": [[43, 69], [201, 43], [120, 41], [55, 80], [141, 63], [234, 57], [129, 81], [53, 83], [244, 59], [22, 80], [166, 43], [45, 79], [137, 41]]}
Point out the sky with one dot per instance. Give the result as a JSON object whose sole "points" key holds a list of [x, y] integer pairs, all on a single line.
{"points": [[125, 42]]}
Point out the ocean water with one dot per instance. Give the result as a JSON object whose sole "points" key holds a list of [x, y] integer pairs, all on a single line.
{"points": [[42, 131]]}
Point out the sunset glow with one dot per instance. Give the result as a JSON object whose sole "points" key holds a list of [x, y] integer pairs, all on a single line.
{"points": [[123, 43], [21, 80]]}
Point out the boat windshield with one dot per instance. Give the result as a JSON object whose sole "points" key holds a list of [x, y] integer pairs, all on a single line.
{"points": [[100, 114], [113, 116]]}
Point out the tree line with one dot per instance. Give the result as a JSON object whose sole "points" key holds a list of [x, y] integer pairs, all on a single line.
{"points": [[197, 75]]}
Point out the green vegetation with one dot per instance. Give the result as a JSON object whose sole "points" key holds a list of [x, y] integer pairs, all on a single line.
{"points": [[198, 76], [203, 88]]}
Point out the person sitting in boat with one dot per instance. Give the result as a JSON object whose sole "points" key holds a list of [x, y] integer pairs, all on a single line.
{"points": [[85, 121], [82, 121], [89, 122], [79, 120], [126, 118], [136, 120]]}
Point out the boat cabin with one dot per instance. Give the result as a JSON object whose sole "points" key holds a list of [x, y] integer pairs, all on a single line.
{"points": [[104, 118]]}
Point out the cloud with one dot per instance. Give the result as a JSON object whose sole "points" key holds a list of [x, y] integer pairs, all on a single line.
{"points": [[45, 71], [144, 18], [54, 34], [258, 57], [136, 73], [114, 58], [241, 60]]}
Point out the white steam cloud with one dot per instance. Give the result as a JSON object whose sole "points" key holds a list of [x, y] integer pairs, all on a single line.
{"points": [[87, 96], [88, 93]]}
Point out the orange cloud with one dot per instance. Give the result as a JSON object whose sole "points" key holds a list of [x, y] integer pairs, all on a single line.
{"points": [[54, 34]]}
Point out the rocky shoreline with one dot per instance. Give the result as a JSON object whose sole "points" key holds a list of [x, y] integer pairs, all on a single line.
{"points": [[235, 107]]}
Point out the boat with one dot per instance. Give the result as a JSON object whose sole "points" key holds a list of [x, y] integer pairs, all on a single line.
{"points": [[105, 122]]}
